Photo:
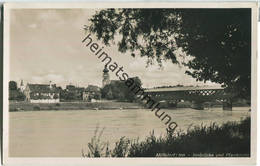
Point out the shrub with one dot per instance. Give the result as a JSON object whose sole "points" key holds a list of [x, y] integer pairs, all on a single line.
{"points": [[122, 147], [231, 137], [147, 148], [96, 147]]}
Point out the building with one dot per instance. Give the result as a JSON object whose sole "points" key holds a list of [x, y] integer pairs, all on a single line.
{"points": [[106, 78], [42, 93], [91, 93], [22, 86], [72, 93]]}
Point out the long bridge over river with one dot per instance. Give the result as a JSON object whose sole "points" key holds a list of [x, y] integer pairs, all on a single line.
{"points": [[196, 95]]}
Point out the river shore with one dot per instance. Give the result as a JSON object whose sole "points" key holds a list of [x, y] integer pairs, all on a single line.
{"points": [[26, 106], [230, 139], [101, 105]]}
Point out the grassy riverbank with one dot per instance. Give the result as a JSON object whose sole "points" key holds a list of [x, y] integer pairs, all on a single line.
{"points": [[102, 105], [25, 106], [232, 139]]}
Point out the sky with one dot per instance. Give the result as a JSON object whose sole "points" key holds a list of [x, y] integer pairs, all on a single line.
{"points": [[45, 45]]}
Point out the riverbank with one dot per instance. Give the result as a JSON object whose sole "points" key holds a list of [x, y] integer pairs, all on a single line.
{"points": [[231, 139], [101, 105], [106, 105]]}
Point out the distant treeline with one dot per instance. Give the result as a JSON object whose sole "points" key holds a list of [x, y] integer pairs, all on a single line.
{"points": [[14, 92]]}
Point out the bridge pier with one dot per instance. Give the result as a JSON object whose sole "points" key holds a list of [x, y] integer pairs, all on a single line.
{"points": [[198, 105], [227, 105]]}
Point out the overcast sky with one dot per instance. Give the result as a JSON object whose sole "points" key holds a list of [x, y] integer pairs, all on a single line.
{"points": [[45, 46]]}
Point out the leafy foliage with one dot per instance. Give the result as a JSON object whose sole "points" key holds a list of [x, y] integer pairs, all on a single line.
{"points": [[73, 93], [229, 138], [16, 95], [117, 90], [122, 148], [70, 95], [12, 85], [96, 147], [218, 41], [14, 92]]}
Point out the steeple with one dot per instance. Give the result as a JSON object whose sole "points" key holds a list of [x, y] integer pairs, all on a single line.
{"points": [[106, 78], [105, 69], [50, 84], [22, 86]]}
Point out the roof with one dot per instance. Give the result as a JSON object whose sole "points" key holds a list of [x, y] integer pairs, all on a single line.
{"points": [[184, 88], [72, 88], [92, 88], [42, 88]]}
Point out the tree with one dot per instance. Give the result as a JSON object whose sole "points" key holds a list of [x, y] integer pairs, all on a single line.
{"points": [[217, 42], [130, 93], [117, 90], [70, 87], [109, 94], [105, 90], [16, 95], [14, 92], [12, 85], [56, 96]]}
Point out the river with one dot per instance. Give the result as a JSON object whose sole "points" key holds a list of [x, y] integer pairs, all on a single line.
{"points": [[66, 133]]}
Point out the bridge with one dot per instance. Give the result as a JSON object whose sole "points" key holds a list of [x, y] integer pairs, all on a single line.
{"points": [[196, 95]]}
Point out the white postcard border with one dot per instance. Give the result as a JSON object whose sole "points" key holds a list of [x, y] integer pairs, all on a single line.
{"points": [[129, 161]]}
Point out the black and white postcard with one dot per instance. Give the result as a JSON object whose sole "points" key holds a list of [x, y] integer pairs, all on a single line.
{"points": [[129, 83]]}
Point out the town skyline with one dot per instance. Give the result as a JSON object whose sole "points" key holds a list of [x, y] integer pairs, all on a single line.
{"points": [[100, 86]]}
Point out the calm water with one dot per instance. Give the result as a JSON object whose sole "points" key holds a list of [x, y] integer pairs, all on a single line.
{"points": [[65, 133]]}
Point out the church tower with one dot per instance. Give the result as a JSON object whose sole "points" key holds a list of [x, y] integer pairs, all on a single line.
{"points": [[22, 86], [106, 79]]}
